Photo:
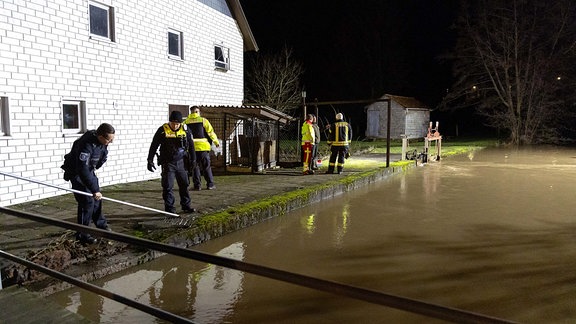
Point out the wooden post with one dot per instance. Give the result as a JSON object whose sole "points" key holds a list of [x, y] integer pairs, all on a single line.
{"points": [[404, 147]]}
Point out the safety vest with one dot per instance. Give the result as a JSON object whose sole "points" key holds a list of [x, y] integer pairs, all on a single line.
{"points": [[173, 134], [201, 129], [341, 134], [308, 135]]}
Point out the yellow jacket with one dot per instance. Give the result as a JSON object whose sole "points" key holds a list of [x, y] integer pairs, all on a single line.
{"points": [[202, 132], [308, 135]]}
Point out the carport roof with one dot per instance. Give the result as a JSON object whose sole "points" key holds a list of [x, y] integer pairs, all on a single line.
{"points": [[262, 112]]}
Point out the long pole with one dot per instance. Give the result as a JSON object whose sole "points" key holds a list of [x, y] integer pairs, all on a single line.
{"points": [[89, 194]]}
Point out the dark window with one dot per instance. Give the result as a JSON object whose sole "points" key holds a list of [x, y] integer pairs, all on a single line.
{"points": [[99, 21], [4, 117], [221, 57], [175, 43], [71, 114]]}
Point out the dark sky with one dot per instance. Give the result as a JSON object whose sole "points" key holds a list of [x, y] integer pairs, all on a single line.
{"points": [[361, 49]]}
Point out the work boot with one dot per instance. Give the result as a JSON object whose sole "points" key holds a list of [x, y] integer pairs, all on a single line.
{"points": [[188, 210], [87, 240]]}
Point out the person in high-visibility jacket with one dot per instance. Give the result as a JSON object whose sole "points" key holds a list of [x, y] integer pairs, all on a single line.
{"points": [[308, 138], [176, 157], [204, 136], [339, 137]]}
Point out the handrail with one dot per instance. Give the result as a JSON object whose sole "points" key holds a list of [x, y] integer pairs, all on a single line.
{"points": [[162, 314], [371, 296]]}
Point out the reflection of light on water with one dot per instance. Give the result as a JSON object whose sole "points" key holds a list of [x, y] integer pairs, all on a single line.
{"points": [[343, 227], [309, 224], [218, 288]]}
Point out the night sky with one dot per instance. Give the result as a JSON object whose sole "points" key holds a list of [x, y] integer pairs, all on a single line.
{"points": [[358, 50]]}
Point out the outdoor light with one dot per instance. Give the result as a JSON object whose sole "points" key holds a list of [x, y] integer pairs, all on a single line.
{"points": [[303, 93]]}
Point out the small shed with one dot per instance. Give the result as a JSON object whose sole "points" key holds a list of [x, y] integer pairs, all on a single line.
{"points": [[248, 136], [409, 117]]}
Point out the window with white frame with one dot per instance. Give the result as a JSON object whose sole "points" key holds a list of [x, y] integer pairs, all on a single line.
{"points": [[101, 20], [4, 117], [73, 116], [175, 44], [222, 57]]}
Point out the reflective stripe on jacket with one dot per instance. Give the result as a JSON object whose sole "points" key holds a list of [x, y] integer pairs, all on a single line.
{"points": [[202, 132], [340, 134], [172, 144]]}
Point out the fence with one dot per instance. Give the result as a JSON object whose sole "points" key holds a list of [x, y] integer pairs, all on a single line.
{"points": [[252, 144]]}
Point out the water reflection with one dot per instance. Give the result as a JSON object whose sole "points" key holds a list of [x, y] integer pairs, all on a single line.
{"points": [[490, 232], [190, 289]]}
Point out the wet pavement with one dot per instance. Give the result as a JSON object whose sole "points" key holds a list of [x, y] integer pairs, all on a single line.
{"points": [[25, 238]]}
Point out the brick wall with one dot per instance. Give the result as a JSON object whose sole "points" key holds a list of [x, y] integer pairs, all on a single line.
{"points": [[47, 55]]}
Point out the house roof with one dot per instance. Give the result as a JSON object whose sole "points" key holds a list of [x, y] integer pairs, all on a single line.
{"points": [[247, 36], [262, 112], [406, 102]]}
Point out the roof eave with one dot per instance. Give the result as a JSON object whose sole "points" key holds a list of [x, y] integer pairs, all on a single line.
{"points": [[238, 13]]}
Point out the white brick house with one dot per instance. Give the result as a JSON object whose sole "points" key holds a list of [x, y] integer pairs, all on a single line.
{"points": [[68, 66]]}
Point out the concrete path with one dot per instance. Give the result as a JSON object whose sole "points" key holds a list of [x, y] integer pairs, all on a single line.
{"points": [[22, 237]]}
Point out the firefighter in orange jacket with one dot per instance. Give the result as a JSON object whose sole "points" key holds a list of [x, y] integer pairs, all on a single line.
{"points": [[339, 137], [308, 138]]}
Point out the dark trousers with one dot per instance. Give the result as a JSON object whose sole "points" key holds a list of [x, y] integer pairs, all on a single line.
{"points": [[170, 171], [337, 155], [314, 164], [89, 209], [202, 168]]}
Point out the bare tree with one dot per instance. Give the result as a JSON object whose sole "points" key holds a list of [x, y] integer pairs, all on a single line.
{"points": [[514, 63], [274, 80]]}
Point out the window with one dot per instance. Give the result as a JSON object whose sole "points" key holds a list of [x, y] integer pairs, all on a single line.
{"points": [[4, 117], [222, 57], [101, 21], [73, 116], [175, 44]]}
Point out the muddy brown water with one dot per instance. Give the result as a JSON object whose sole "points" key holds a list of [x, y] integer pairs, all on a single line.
{"points": [[492, 232]]}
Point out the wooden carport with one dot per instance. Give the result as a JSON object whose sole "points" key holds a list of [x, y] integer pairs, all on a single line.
{"points": [[249, 136]]}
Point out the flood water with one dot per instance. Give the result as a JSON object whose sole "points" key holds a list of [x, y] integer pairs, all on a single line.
{"points": [[492, 232]]}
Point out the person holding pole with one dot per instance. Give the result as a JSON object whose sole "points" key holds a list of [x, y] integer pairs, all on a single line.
{"points": [[88, 154]]}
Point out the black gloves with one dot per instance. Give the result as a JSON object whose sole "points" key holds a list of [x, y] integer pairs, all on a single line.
{"points": [[151, 166]]}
